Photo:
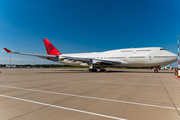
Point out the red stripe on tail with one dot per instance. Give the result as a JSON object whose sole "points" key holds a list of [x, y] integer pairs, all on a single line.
{"points": [[51, 50]]}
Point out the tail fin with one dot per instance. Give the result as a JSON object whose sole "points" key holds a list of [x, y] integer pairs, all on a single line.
{"points": [[7, 50], [51, 50]]}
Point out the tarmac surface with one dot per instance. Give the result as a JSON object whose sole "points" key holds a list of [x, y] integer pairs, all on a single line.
{"points": [[75, 94]]}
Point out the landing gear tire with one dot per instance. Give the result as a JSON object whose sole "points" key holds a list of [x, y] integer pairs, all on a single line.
{"points": [[155, 71], [92, 70]]}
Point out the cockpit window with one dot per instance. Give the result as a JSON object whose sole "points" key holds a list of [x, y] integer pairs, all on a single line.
{"points": [[162, 49]]}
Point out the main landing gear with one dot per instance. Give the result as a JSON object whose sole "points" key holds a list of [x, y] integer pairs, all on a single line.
{"points": [[102, 70], [94, 69]]}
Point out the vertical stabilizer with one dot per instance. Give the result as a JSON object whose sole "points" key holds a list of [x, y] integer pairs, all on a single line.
{"points": [[51, 50]]}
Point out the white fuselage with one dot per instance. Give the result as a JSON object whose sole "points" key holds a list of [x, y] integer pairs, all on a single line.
{"points": [[134, 57]]}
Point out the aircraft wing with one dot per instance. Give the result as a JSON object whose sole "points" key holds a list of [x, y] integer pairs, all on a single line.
{"points": [[49, 57], [89, 61]]}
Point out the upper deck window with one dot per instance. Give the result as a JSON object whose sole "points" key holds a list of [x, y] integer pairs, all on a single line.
{"points": [[127, 51], [162, 49], [142, 50]]}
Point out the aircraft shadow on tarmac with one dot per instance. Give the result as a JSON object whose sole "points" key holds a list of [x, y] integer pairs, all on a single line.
{"points": [[111, 71], [108, 71]]}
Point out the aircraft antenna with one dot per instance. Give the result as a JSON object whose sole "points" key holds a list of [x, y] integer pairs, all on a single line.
{"points": [[170, 63], [178, 52]]}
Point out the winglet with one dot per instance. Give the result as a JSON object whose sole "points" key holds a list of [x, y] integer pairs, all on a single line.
{"points": [[7, 50], [51, 50]]}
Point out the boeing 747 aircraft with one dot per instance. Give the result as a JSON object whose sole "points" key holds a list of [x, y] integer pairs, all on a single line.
{"points": [[133, 57]]}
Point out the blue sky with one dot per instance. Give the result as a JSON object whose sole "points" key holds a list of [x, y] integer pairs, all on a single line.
{"points": [[76, 26]]}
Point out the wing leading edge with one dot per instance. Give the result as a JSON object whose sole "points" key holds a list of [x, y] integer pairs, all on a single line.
{"points": [[49, 57]]}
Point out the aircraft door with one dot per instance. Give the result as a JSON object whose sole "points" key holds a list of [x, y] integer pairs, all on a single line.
{"points": [[150, 57], [133, 51], [124, 59], [97, 57]]}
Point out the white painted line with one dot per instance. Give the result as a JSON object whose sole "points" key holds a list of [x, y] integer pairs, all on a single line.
{"points": [[111, 100], [38, 90], [50, 105], [129, 102]]}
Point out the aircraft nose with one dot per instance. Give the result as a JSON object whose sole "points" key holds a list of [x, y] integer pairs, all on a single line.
{"points": [[174, 57]]}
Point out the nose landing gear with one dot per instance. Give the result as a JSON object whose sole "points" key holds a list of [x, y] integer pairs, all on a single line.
{"points": [[156, 70]]}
